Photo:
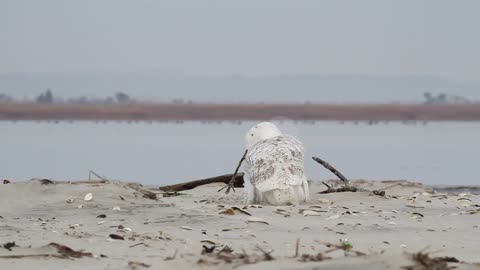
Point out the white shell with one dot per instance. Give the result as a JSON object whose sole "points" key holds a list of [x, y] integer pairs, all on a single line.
{"points": [[116, 208], [88, 197], [311, 213], [257, 220]]}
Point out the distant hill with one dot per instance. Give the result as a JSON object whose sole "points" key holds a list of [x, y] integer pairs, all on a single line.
{"points": [[291, 88]]}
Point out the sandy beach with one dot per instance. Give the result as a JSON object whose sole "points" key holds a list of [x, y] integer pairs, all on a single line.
{"points": [[204, 229]]}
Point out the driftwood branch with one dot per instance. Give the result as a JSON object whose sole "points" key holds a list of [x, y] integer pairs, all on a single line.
{"points": [[330, 189], [333, 170], [231, 184], [217, 179]]}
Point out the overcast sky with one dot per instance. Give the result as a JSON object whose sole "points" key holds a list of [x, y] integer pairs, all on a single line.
{"points": [[252, 38]]}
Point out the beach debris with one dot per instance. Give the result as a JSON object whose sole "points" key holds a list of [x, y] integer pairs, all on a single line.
{"points": [[146, 193], [116, 237], [307, 213], [231, 184], [233, 211], [187, 228], [9, 246], [267, 255], [227, 255], [136, 245], [6, 181], [171, 258], [101, 222], [116, 208], [417, 215], [380, 193], [207, 241], [228, 211], [241, 211], [282, 212], [330, 189], [319, 257], [257, 220], [208, 250], [344, 245], [102, 216], [423, 261], [45, 181], [137, 265], [88, 197], [51, 250], [172, 194], [414, 206], [103, 178], [325, 201], [252, 206], [333, 217], [70, 200], [195, 183], [80, 206]]}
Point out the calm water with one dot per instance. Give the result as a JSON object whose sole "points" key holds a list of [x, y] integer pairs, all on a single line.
{"points": [[437, 153]]}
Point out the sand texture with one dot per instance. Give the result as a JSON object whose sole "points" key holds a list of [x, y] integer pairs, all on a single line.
{"points": [[368, 232]]}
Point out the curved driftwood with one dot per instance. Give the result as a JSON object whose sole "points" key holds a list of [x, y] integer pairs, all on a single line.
{"points": [[217, 179]]}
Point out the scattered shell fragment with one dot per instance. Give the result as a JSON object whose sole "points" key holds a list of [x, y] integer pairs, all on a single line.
{"points": [[80, 206], [414, 206], [307, 213], [187, 228], [228, 211], [88, 197], [207, 241], [417, 214], [116, 208], [116, 237], [310, 213], [333, 217], [70, 200], [101, 222], [324, 201], [102, 216], [257, 220], [241, 211]]}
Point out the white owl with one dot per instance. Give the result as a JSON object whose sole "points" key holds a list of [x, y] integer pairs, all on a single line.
{"points": [[275, 169]]}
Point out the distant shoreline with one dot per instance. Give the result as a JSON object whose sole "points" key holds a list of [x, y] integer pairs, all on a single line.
{"points": [[162, 112]]}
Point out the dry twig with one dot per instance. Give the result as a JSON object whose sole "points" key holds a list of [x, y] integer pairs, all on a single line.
{"points": [[230, 184]]}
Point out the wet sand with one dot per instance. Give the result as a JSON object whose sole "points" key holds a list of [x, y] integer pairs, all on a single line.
{"points": [[171, 232]]}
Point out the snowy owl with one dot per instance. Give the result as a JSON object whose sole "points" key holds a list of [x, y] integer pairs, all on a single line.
{"points": [[275, 169]]}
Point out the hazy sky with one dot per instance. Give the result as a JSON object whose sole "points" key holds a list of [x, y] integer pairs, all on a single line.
{"points": [[253, 38]]}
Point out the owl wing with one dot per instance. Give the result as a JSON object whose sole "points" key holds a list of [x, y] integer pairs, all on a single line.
{"points": [[276, 162]]}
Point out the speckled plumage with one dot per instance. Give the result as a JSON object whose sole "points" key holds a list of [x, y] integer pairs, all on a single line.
{"points": [[275, 167]]}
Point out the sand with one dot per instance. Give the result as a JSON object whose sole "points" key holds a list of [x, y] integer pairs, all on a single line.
{"points": [[170, 233]]}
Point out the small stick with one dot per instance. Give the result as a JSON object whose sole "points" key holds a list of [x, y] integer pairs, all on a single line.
{"points": [[332, 169], [136, 245], [94, 173], [232, 181], [297, 248], [267, 255]]}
